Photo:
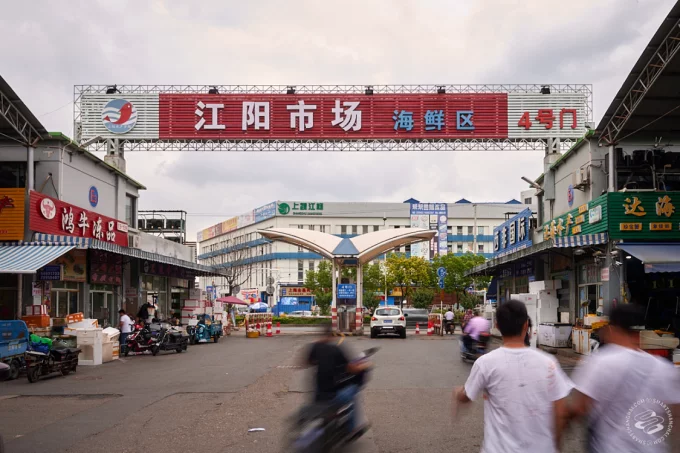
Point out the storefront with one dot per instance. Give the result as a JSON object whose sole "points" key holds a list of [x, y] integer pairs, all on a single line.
{"points": [[179, 291], [11, 229]]}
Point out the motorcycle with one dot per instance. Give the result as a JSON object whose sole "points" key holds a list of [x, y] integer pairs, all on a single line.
{"points": [[169, 338], [449, 327], [324, 427], [140, 340], [64, 361], [479, 348]]}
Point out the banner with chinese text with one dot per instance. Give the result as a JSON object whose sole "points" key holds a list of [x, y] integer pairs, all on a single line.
{"points": [[430, 216], [589, 218], [644, 215]]}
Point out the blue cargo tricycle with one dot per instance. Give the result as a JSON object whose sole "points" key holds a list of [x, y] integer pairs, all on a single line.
{"points": [[13, 346], [205, 330]]}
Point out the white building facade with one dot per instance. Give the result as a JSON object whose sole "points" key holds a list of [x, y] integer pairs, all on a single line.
{"points": [[262, 265]]}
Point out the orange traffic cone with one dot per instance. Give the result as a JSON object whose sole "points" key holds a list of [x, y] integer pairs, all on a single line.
{"points": [[269, 329], [430, 328], [417, 328], [278, 328]]}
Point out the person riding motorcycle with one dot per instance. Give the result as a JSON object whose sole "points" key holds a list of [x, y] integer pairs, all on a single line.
{"points": [[449, 321], [476, 326], [333, 383]]}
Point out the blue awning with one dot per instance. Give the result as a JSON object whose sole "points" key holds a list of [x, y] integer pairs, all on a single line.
{"points": [[581, 240], [27, 259], [656, 256]]}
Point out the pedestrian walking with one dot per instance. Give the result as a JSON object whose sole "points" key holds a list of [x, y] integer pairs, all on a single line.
{"points": [[629, 396], [125, 326], [524, 390]]}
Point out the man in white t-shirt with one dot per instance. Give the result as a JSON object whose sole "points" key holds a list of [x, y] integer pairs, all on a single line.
{"points": [[629, 395], [524, 390], [125, 326]]}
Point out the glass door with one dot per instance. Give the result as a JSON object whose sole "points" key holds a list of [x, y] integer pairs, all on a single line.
{"points": [[101, 306]]}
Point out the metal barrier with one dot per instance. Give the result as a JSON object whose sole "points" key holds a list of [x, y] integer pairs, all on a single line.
{"points": [[258, 321], [436, 320]]}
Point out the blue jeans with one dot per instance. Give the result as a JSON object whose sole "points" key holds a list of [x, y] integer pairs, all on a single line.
{"points": [[123, 341], [348, 395]]}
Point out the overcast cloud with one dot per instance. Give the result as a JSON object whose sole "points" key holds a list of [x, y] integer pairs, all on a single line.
{"points": [[50, 46]]}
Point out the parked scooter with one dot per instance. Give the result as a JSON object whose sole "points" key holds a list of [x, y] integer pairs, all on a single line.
{"points": [[39, 364], [323, 427], [449, 327], [169, 338], [140, 340], [478, 349]]}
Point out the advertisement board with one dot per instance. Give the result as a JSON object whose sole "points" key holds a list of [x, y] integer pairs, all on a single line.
{"points": [[73, 265], [347, 291], [264, 212], [12, 214], [257, 215], [430, 216], [295, 291], [462, 113], [53, 216], [644, 215], [513, 234], [589, 218]]}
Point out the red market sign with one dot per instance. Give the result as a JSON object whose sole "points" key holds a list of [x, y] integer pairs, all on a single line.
{"points": [[333, 116], [52, 216]]}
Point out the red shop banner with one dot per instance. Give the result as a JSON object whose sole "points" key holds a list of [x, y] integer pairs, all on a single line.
{"points": [[51, 216], [333, 116]]}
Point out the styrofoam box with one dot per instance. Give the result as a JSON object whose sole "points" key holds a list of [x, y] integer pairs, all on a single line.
{"points": [[36, 310], [676, 357], [543, 285], [552, 335], [195, 293], [191, 303]]}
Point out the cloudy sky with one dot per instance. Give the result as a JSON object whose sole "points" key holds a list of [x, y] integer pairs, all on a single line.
{"points": [[50, 46]]}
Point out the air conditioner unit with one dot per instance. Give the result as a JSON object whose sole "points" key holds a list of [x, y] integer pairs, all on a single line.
{"points": [[582, 178], [134, 241]]}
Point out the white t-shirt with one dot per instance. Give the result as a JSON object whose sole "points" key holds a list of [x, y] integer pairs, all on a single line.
{"points": [[449, 315], [624, 384], [127, 324], [521, 384]]}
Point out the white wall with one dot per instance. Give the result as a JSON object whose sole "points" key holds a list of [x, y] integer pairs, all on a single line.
{"points": [[155, 244]]}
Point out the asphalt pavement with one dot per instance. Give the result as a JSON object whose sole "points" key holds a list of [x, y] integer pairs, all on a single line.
{"points": [[207, 399]]}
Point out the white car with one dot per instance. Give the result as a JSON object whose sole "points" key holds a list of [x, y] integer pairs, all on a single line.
{"points": [[299, 314], [388, 320]]}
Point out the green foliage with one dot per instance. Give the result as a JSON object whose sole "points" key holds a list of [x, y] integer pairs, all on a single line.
{"points": [[468, 300], [320, 283], [323, 300], [422, 298], [404, 272], [456, 266], [371, 301]]}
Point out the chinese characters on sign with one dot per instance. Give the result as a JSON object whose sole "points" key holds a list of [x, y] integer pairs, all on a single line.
{"points": [[300, 208], [74, 221], [634, 206], [430, 216], [513, 235]]}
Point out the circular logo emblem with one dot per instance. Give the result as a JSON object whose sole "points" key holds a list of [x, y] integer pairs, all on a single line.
{"points": [[48, 209], [570, 195], [119, 116], [649, 421], [284, 209], [93, 196]]}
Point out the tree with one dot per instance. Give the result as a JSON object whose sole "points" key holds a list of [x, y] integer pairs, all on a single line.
{"points": [[456, 266], [422, 298], [234, 261], [373, 283], [320, 283], [406, 272]]}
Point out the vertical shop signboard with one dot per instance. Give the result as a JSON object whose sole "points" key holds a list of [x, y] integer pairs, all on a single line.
{"points": [[430, 216], [12, 214], [513, 234]]}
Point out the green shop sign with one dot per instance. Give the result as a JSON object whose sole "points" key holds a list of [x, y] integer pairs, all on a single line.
{"points": [[590, 218], [644, 215], [300, 208]]}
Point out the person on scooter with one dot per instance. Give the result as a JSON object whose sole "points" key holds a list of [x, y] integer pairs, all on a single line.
{"points": [[449, 317], [473, 329], [332, 368]]}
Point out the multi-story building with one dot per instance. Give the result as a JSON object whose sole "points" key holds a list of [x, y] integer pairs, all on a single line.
{"points": [[257, 265]]}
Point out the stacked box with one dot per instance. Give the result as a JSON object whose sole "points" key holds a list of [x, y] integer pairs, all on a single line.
{"points": [[36, 321], [36, 310], [192, 303]]}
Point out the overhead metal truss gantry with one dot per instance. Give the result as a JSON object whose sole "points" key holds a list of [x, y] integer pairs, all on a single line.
{"points": [[21, 126], [662, 55], [377, 145]]}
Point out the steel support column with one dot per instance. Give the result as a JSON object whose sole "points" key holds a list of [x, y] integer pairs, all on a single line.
{"points": [[334, 300]]}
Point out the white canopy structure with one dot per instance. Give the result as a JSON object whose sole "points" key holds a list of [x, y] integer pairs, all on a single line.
{"points": [[355, 251]]}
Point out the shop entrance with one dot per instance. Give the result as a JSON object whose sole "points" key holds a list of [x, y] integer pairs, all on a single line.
{"points": [[101, 307], [589, 289], [63, 299]]}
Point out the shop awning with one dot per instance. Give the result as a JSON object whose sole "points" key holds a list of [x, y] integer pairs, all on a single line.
{"points": [[656, 256], [28, 258], [50, 239], [492, 291], [581, 240]]}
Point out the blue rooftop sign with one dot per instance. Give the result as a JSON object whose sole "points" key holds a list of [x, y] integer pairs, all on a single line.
{"points": [[513, 234]]}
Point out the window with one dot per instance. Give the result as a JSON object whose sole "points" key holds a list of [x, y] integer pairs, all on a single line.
{"points": [[449, 248], [376, 227], [300, 227], [311, 227], [364, 229], [13, 175], [131, 210], [387, 312], [459, 248], [449, 229], [480, 230], [408, 249], [322, 228], [480, 248], [470, 247], [459, 231], [355, 229], [527, 200], [343, 229], [301, 271], [471, 230], [311, 265]]}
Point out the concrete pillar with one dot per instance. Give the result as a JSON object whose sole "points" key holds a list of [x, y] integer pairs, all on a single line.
{"points": [[334, 300], [612, 170], [360, 300], [30, 171]]}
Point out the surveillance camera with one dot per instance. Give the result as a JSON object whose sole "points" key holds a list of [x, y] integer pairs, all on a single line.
{"points": [[618, 263]]}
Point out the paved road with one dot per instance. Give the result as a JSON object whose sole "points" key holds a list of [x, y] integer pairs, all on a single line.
{"points": [[207, 398]]}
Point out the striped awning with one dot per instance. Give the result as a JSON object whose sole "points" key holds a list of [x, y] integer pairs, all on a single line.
{"points": [[28, 258], [581, 240], [41, 238]]}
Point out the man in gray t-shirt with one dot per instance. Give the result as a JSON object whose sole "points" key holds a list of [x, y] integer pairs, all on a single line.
{"points": [[629, 396]]}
